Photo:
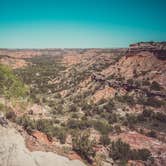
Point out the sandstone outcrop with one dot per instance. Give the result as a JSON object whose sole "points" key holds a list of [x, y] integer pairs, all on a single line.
{"points": [[157, 48]]}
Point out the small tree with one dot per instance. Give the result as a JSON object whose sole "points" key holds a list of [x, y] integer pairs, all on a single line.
{"points": [[140, 154], [104, 139], [147, 113], [62, 135], [83, 145], [152, 134], [101, 126], [131, 120], [10, 85], [120, 150], [155, 86]]}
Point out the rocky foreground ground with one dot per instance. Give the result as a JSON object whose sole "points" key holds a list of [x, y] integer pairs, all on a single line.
{"points": [[13, 152]]}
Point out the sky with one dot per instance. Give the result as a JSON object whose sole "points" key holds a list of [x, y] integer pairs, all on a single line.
{"points": [[80, 23]]}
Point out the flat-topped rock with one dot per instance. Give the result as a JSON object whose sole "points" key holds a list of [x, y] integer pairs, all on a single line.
{"points": [[149, 45]]}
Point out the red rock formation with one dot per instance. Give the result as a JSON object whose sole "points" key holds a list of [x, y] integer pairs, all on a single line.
{"points": [[41, 137], [139, 141]]}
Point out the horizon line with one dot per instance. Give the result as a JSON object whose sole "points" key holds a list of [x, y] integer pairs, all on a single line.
{"points": [[62, 48]]}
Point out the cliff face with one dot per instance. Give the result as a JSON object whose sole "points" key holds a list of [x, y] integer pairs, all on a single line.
{"points": [[141, 61], [149, 45], [157, 48]]}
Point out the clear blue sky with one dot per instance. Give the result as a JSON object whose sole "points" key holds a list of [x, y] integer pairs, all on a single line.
{"points": [[80, 23]]}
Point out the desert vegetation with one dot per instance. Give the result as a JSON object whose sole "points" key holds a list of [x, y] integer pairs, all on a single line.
{"points": [[83, 105]]}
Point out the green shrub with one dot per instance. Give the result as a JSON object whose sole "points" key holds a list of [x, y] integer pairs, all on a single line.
{"points": [[44, 125], [72, 108], [117, 128], [147, 113], [83, 145], [26, 122], [84, 124], [144, 154], [75, 116], [56, 121], [152, 101], [131, 120], [78, 124], [104, 139], [130, 81], [152, 134], [86, 107], [73, 124], [61, 135], [11, 115], [103, 127], [2, 106], [112, 118], [140, 154], [160, 117], [109, 106], [145, 83], [10, 85], [59, 109], [141, 117], [120, 150], [155, 86], [126, 99]]}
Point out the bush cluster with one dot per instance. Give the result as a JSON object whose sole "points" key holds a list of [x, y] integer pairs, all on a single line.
{"points": [[122, 151], [83, 145], [104, 139], [10, 85], [155, 86], [44, 125], [126, 99], [101, 126], [151, 115]]}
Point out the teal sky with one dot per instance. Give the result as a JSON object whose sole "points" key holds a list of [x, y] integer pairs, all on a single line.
{"points": [[80, 23]]}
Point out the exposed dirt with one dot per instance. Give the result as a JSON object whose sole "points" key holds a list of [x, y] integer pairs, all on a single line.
{"points": [[104, 93], [139, 141]]}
